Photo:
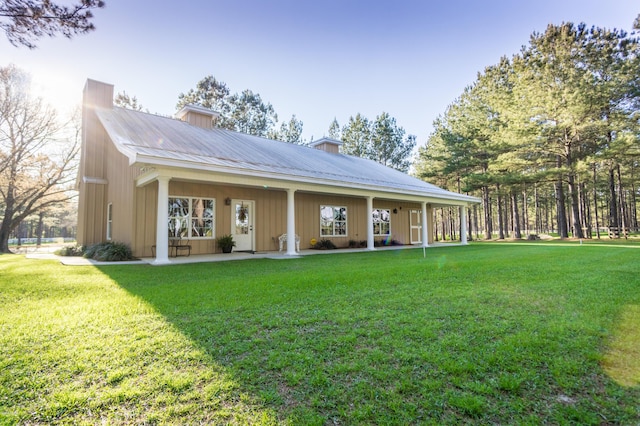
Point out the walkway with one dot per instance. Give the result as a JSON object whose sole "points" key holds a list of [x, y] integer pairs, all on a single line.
{"points": [[218, 257]]}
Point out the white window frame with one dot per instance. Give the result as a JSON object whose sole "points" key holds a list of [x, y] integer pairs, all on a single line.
{"points": [[379, 221], [185, 221], [334, 222], [109, 221]]}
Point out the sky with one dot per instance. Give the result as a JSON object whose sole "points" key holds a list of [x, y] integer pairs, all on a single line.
{"points": [[319, 60]]}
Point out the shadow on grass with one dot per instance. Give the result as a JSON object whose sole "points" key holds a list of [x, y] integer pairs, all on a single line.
{"points": [[470, 334]]}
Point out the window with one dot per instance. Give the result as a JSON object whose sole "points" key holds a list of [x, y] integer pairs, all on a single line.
{"points": [[381, 221], [333, 221], [109, 220], [191, 217]]}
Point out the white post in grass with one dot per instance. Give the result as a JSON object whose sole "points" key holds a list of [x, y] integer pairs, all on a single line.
{"points": [[425, 225], [370, 245], [162, 233], [291, 222], [463, 224]]}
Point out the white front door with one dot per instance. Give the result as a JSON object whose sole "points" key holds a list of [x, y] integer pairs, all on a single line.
{"points": [[415, 219], [242, 222]]}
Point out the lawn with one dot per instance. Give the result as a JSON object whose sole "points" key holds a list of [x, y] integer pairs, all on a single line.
{"points": [[483, 334]]}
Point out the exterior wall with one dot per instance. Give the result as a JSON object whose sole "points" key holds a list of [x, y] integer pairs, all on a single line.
{"points": [[92, 196], [120, 192], [270, 216]]}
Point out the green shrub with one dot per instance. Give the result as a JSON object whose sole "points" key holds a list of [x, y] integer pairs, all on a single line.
{"points": [[109, 251], [325, 245], [70, 251]]}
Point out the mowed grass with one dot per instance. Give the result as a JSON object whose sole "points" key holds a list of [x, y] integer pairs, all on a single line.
{"points": [[483, 334]]}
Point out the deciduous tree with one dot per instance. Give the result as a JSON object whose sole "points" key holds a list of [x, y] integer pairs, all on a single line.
{"points": [[37, 166]]}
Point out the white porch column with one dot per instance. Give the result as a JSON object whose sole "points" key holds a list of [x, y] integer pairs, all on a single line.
{"points": [[370, 245], [463, 225], [425, 225], [162, 234], [291, 222]]}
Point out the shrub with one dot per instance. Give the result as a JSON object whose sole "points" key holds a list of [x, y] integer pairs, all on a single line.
{"points": [[386, 242], [109, 251], [70, 251], [325, 245]]}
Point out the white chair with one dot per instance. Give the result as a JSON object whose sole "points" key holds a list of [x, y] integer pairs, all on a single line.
{"points": [[283, 239]]}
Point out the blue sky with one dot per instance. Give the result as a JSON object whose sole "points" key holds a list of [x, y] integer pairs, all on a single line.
{"points": [[315, 59]]}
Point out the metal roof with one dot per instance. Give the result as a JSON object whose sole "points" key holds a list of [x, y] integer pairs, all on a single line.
{"points": [[137, 134]]}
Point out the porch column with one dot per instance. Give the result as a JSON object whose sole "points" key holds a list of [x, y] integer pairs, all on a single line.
{"points": [[291, 222], [370, 245], [162, 234], [425, 225], [463, 224]]}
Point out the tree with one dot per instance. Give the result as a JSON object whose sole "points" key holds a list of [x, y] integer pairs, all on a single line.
{"points": [[243, 112], [334, 130], [36, 169], [125, 101], [290, 132], [25, 21], [380, 140], [209, 93], [388, 144], [356, 136], [249, 114]]}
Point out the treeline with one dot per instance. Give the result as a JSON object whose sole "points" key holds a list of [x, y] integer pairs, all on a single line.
{"points": [[381, 140], [548, 138]]}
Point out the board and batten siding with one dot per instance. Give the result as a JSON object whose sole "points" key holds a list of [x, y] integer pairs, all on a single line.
{"points": [[270, 215], [93, 167]]}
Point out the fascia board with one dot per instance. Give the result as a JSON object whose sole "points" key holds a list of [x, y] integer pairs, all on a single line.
{"points": [[193, 171]]}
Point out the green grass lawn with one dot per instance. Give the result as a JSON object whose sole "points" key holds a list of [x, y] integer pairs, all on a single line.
{"points": [[483, 334]]}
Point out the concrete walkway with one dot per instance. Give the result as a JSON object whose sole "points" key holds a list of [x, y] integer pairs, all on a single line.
{"points": [[218, 257]]}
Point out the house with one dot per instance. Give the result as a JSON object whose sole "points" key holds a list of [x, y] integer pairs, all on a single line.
{"points": [[147, 180]]}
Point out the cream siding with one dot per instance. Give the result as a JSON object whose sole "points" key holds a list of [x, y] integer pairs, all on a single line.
{"points": [[92, 196]]}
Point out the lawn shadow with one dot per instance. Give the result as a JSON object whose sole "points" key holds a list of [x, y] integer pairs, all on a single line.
{"points": [[393, 337]]}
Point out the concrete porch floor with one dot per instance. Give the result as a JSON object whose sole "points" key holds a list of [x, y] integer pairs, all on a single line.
{"points": [[219, 257]]}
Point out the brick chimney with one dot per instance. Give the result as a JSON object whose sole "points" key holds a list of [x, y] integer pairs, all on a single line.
{"points": [[198, 116]]}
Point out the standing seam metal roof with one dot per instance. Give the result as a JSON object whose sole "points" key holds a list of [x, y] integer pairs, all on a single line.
{"points": [[137, 133]]}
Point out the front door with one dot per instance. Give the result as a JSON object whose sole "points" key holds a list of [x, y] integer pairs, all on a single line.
{"points": [[242, 222], [415, 219]]}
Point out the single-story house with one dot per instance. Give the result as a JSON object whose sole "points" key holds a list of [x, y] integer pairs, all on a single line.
{"points": [[148, 180]]}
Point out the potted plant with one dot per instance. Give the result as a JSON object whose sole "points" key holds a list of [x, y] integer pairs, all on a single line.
{"points": [[226, 243]]}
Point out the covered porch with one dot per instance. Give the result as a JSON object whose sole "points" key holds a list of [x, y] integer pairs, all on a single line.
{"points": [[294, 204]]}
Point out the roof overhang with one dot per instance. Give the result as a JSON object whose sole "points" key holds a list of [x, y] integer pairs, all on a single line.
{"points": [[275, 181]]}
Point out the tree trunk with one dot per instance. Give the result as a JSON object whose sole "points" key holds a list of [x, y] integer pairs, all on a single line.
{"points": [[39, 229], [525, 213], [516, 220], [613, 205], [575, 207], [560, 209], [475, 221], [500, 218], [623, 211], [586, 208], [486, 205], [595, 201]]}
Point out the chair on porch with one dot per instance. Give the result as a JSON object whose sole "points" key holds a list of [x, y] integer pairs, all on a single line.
{"points": [[176, 245], [179, 245], [283, 239]]}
